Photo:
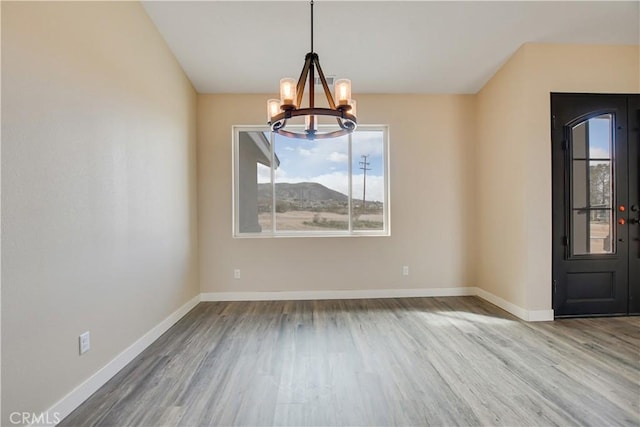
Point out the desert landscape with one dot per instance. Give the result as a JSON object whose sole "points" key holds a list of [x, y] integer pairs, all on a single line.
{"points": [[309, 206], [304, 220]]}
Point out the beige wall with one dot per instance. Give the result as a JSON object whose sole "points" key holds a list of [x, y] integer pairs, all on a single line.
{"points": [[515, 153], [500, 235], [431, 152], [98, 191]]}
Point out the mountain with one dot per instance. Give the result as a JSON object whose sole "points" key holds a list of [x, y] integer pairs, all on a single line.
{"points": [[307, 191]]}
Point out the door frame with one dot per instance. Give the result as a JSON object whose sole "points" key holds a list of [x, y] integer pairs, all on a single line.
{"points": [[561, 195]]}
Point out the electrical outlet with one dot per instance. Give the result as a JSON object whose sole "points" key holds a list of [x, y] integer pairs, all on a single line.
{"points": [[85, 342], [236, 273], [405, 270]]}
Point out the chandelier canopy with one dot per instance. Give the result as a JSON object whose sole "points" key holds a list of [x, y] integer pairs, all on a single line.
{"points": [[343, 108]]}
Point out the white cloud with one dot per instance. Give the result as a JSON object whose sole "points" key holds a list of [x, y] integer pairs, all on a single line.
{"points": [[264, 173], [326, 162], [338, 157], [375, 187], [367, 143], [598, 153]]}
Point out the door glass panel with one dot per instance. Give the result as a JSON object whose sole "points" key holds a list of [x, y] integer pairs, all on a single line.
{"points": [[600, 137], [579, 184], [580, 232], [600, 184], [579, 139], [592, 232], [592, 186]]}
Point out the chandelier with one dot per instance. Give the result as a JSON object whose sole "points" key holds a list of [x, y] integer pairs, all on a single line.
{"points": [[343, 108]]}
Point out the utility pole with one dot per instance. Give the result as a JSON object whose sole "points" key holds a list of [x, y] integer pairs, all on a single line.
{"points": [[364, 166]]}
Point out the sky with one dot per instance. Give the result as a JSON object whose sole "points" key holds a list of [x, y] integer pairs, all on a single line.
{"points": [[599, 137], [326, 161]]}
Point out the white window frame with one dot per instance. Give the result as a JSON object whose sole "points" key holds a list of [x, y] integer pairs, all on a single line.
{"points": [[274, 233]]}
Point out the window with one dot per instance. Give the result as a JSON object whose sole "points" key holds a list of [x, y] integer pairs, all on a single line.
{"points": [[592, 145], [327, 187]]}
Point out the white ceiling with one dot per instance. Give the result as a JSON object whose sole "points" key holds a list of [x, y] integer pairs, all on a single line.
{"points": [[382, 46]]}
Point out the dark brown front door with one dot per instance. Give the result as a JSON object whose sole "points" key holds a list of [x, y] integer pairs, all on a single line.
{"points": [[596, 204]]}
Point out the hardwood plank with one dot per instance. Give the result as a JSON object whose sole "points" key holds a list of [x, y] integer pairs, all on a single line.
{"points": [[415, 361]]}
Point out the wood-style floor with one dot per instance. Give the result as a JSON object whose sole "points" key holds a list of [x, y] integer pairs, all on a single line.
{"points": [[416, 361]]}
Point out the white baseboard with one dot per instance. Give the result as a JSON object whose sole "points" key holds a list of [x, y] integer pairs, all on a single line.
{"points": [[524, 314], [71, 401], [337, 294], [540, 316]]}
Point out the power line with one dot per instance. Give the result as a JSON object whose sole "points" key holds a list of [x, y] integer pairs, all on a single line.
{"points": [[364, 166]]}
